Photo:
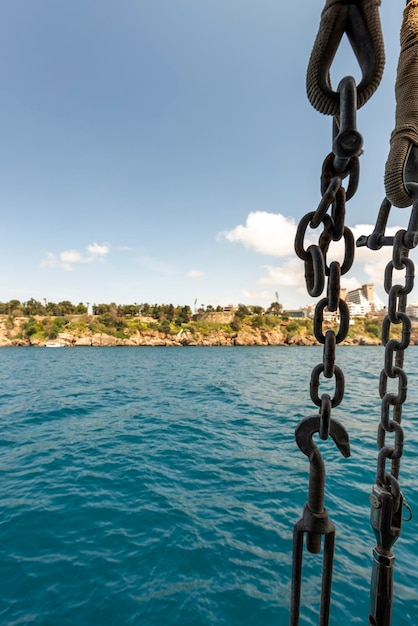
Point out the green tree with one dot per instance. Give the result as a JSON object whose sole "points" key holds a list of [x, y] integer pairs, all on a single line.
{"points": [[184, 315], [242, 311], [170, 312], [31, 327], [236, 324], [14, 307], [130, 310], [258, 321], [35, 307], [155, 311], [52, 308], [80, 309], [372, 329], [66, 307], [56, 327], [100, 309], [275, 308], [113, 311], [164, 327]]}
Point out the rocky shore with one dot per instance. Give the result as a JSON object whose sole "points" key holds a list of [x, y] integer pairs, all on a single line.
{"points": [[12, 333]]}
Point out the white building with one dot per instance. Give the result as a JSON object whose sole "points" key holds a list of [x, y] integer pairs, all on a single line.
{"points": [[363, 300], [412, 310]]}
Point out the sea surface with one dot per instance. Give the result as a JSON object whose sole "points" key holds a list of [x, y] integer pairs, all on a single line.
{"points": [[160, 486]]}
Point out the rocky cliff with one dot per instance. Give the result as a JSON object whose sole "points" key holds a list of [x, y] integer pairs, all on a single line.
{"points": [[14, 332]]}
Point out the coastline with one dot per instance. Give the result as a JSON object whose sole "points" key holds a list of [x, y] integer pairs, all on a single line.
{"points": [[13, 333]]}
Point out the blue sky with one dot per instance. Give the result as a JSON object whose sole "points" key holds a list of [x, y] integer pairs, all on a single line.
{"points": [[163, 150]]}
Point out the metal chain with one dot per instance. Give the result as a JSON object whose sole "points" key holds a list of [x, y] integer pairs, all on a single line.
{"points": [[323, 274], [387, 501]]}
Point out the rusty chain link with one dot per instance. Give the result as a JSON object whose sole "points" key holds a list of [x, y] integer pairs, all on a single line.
{"points": [[360, 21], [322, 274], [387, 500]]}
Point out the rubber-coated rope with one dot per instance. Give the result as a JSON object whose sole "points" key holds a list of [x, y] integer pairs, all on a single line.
{"points": [[406, 121], [328, 103]]}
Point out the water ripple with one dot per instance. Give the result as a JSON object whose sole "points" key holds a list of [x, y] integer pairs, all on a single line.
{"points": [[160, 486]]}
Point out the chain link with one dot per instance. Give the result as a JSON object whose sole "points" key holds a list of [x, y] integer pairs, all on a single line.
{"points": [[360, 21], [402, 242], [387, 500], [393, 363], [319, 273], [324, 275]]}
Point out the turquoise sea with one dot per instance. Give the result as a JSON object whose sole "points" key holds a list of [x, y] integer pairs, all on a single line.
{"points": [[160, 486]]}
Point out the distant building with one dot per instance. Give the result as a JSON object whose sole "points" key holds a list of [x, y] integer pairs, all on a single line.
{"points": [[363, 301], [297, 313], [412, 311]]}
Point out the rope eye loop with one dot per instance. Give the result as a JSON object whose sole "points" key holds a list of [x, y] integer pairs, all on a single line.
{"points": [[360, 21]]}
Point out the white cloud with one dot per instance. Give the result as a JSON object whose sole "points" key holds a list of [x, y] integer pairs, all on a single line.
{"points": [[49, 261], [195, 274], [97, 251], [290, 274], [375, 271], [350, 282], [267, 233], [68, 258], [272, 234]]}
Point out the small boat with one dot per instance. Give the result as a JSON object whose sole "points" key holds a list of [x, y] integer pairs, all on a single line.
{"points": [[53, 344]]}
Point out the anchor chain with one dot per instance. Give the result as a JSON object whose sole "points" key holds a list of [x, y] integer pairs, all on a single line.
{"points": [[401, 184], [324, 275], [320, 273], [387, 501]]}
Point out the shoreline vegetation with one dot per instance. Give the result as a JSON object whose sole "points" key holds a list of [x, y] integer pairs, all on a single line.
{"points": [[166, 325]]}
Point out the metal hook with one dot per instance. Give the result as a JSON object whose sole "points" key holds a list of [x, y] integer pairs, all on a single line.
{"points": [[310, 425], [314, 521], [303, 435]]}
